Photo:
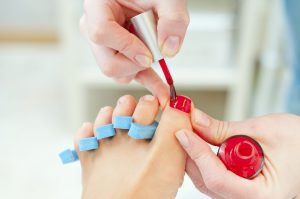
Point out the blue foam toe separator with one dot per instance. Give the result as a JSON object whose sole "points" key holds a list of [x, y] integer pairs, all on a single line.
{"points": [[68, 156], [139, 131], [75, 155], [122, 122], [87, 144], [105, 131]]}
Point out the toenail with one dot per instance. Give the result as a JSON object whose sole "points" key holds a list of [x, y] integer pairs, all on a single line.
{"points": [[122, 100], [181, 103], [85, 125], [148, 98], [104, 109]]}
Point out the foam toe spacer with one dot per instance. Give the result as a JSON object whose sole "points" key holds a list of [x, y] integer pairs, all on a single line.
{"points": [[105, 131], [87, 144], [139, 131], [68, 156], [122, 122]]}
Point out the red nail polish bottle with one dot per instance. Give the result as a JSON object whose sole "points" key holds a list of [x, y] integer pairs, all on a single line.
{"points": [[242, 155]]}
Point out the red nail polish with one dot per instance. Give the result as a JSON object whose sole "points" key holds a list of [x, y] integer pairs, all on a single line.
{"points": [[181, 103], [242, 155]]}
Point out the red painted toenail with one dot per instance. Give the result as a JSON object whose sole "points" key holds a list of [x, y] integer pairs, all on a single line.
{"points": [[242, 155], [181, 103]]}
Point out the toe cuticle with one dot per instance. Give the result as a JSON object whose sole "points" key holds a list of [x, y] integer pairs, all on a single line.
{"points": [[149, 98]]}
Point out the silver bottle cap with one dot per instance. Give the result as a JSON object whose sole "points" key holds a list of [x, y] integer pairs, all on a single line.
{"points": [[145, 27]]}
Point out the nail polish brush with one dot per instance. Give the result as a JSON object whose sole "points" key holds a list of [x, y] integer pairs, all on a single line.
{"points": [[144, 26]]}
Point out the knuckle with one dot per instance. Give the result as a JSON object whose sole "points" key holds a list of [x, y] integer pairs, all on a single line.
{"points": [[107, 69], [185, 20], [222, 131], [260, 124], [199, 156], [196, 155], [126, 43], [97, 35], [182, 18]]}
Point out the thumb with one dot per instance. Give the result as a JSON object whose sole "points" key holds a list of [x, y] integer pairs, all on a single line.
{"points": [[173, 20], [215, 176], [217, 131]]}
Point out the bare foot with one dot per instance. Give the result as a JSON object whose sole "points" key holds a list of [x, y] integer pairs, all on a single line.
{"points": [[123, 167]]}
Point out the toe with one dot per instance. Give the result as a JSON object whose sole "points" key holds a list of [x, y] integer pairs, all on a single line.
{"points": [[146, 110], [103, 128], [86, 130], [125, 106], [104, 117], [101, 124]]}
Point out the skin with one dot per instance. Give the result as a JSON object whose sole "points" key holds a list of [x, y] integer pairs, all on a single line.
{"points": [[279, 136], [120, 54], [123, 57], [155, 169], [123, 167]]}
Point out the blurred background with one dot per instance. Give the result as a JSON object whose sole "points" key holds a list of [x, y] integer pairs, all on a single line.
{"points": [[239, 59]]}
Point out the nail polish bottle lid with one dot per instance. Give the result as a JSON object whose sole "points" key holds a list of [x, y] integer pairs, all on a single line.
{"points": [[242, 155], [145, 27]]}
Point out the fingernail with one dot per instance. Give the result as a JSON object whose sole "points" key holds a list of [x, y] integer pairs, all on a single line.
{"points": [[201, 118], [171, 46], [182, 138], [148, 98], [143, 60]]}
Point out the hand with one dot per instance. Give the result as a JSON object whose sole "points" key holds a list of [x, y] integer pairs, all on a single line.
{"points": [[120, 54], [279, 136]]}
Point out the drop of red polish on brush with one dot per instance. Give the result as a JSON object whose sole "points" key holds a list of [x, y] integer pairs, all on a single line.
{"points": [[242, 155], [181, 103]]}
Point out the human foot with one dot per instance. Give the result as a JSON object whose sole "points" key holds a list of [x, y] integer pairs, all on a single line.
{"points": [[123, 167]]}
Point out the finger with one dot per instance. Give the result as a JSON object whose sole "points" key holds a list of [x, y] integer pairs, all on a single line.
{"points": [[124, 80], [173, 14], [214, 174], [109, 33], [195, 175], [154, 84], [216, 131], [112, 64]]}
